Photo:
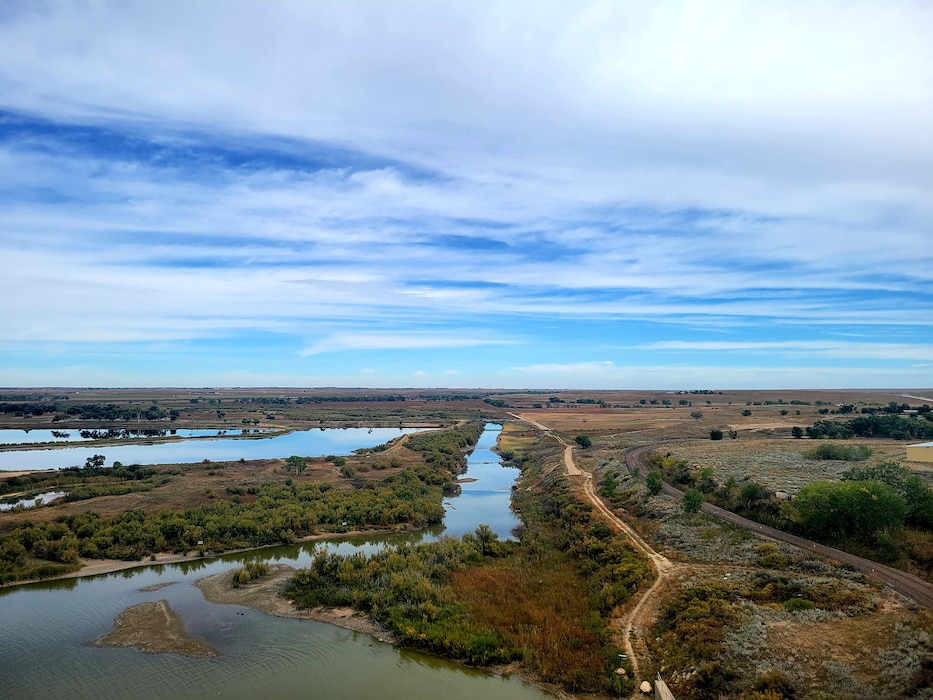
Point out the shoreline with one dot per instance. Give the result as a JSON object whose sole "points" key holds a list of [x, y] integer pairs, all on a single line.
{"points": [[265, 595], [100, 567]]}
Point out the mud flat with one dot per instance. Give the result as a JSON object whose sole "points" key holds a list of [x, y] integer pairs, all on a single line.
{"points": [[154, 628]]}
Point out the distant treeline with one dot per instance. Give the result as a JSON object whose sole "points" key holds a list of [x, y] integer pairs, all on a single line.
{"points": [[890, 426], [352, 398], [86, 411]]}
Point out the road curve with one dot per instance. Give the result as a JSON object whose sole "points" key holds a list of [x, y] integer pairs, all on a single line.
{"points": [[902, 582], [663, 566]]}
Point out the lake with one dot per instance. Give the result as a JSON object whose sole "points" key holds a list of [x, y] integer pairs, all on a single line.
{"points": [[307, 443], [44, 651]]}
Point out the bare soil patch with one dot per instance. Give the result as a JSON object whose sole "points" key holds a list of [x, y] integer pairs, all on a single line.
{"points": [[154, 628]]}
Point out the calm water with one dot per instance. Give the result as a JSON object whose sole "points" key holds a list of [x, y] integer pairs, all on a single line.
{"points": [[307, 443], [12, 436], [43, 651], [47, 497]]}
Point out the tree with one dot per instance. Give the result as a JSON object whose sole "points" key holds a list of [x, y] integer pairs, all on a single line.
{"points": [[797, 432], [908, 485], [706, 482], [693, 501], [95, 461], [583, 441], [696, 415], [750, 493], [715, 434], [654, 483], [295, 464], [746, 412], [488, 540], [850, 508], [733, 434]]}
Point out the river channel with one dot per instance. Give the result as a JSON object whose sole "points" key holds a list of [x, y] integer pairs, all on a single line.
{"points": [[46, 628]]}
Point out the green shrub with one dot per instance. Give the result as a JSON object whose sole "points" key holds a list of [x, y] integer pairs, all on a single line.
{"points": [[840, 453], [798, 604]]}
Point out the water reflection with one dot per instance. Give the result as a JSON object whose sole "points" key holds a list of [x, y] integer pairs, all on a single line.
{"points": [[309, 443]]}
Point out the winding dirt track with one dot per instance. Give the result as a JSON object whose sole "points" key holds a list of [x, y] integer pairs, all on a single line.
{"points": [[664, 568], [902, 582]]}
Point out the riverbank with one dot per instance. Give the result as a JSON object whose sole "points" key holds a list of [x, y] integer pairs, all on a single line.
{"points": [[99, 567]]}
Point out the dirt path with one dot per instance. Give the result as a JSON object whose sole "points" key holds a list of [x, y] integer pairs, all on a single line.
{"points": [[639, 617]]}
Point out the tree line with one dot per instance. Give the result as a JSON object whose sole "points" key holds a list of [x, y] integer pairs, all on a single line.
{"points": [[890, 426]]}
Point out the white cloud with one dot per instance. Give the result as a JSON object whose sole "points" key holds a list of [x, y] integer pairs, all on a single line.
{"points": [[860, 350], [397, 341], [717, 165]]}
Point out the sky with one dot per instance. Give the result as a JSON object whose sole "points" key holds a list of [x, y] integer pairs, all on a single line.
{"points": [[540, 194]]}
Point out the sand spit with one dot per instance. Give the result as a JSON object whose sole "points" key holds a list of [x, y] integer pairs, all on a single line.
{"points": [[154, 628]]}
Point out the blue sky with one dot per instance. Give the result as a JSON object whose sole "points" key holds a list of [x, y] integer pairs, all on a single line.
{"points": [[417, 194]]}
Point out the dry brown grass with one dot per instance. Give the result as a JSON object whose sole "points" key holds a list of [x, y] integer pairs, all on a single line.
{"points": [[203, 483]]}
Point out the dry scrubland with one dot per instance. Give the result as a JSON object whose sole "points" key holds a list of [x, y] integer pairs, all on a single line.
{"points": [[739, 608], [738, 617]]}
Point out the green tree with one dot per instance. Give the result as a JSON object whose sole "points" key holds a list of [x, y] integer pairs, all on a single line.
{"points": [[916, 493], [296, 464], [488, 540], [583, 441], [715, 434], [693, 501], [750, 493], [850, 508], [654, 482], [95, 462], [797, 432], [706, 483], [696, 415]]}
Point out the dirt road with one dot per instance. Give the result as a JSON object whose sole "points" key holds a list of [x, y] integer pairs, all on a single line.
{"points": [[638, 618]]}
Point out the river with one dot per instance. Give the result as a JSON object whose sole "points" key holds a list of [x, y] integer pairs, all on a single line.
{"points": [[46, 627], [307, 443]]}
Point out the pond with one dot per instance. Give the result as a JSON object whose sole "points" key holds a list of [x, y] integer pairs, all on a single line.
{"points": [[34, 501], [44, 651], [307, 443]]}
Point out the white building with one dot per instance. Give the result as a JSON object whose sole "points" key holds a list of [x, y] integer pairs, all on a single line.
{"points": [[920, 453]]}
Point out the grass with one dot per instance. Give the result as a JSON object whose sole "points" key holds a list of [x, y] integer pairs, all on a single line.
{"points": [[781, 465]]}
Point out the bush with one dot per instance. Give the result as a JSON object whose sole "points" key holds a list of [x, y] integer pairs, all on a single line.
{"points": [[583, 441], [840, 453], [253, 571], [693, 501], [715, 434], [654, 482]]}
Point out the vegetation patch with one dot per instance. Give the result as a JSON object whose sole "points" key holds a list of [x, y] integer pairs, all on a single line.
{"points": [[564, 578]]}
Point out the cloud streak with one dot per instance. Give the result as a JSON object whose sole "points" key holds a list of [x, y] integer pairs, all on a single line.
{"points": [[477, 188]]}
